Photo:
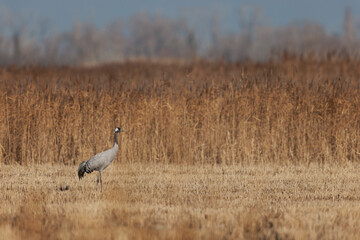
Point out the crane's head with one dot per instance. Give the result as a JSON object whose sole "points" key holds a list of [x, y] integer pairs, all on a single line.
{"points": [[118, 129]]}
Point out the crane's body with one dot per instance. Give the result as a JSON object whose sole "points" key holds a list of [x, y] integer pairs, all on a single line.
{"points": [[100, 161]]}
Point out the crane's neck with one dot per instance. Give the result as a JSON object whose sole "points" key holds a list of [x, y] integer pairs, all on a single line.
{"points": [[115, 139]]}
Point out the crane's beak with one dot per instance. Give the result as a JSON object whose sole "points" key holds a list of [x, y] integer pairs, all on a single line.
{"points": [[122, 130]]}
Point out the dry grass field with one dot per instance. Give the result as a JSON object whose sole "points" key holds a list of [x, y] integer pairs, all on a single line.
{"points": [[211, 150], [156, 201]]}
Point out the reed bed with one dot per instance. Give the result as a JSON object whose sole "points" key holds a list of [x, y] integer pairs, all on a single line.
{"points": [[288, 112]]}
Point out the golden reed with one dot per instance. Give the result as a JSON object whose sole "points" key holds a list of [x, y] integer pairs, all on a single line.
{"points": [[294, 111]]}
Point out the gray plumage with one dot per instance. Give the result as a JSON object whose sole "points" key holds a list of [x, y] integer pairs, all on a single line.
{"points": [[100, 161]]}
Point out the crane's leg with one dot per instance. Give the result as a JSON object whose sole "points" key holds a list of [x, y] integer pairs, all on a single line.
{"points": [[100, 181], [97, 181]]}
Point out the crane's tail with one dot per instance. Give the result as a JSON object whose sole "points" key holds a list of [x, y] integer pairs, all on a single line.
{"points": [[81, 170]]}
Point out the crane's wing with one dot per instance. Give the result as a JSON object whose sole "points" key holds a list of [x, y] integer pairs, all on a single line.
{"points": [[93, 164], [96, 162]]}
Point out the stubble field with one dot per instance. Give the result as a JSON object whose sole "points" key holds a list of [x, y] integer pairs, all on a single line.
{"points": [[211, 150], [145, 201]]}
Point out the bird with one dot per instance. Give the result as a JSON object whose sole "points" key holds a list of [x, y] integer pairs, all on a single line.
{"points": [[100, 161]]}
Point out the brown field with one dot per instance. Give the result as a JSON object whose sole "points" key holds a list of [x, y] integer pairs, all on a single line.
{"points": [[211, 150], [156, 201]]}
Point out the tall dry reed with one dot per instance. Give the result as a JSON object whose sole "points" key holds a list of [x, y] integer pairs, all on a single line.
{"points": [[286, 112]]}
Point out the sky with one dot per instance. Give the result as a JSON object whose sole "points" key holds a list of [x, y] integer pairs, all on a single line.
{"points": [[62, 14]]}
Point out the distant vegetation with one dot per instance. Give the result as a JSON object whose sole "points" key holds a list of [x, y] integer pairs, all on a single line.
{"points": [[145, 36]]}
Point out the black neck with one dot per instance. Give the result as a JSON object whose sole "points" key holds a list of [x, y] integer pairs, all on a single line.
{"points": [[115, 139]]}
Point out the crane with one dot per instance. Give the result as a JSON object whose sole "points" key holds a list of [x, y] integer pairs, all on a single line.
{"points": [[100, 161]]}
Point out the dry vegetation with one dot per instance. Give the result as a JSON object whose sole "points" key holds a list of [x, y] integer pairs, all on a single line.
{"points": [[212, 150], [157, 201], [290, 112]]}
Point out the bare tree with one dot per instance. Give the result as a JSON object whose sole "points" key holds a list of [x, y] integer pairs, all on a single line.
{"points": [[160, 37], [349, 29], [26, 40], [114, 41]]}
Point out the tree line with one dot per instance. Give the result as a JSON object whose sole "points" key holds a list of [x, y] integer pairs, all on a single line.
{"points": [[147, 36]]}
